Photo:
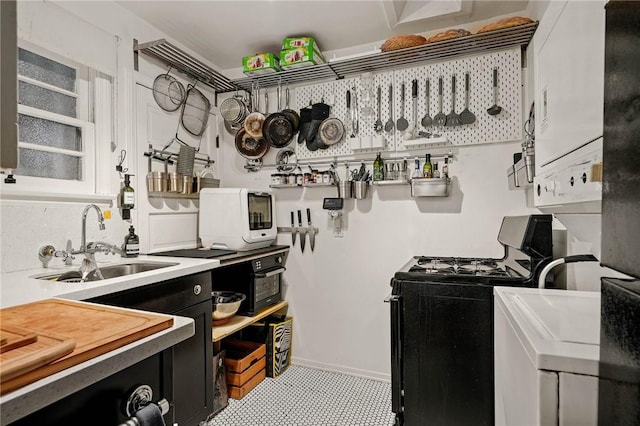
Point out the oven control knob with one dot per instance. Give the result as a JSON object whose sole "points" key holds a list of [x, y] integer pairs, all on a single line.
{"points": [[279, 259], [550, 186], [197, 289]]}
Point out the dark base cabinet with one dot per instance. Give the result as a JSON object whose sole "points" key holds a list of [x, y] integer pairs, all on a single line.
{"points": [[188, 296], [102, 404]]}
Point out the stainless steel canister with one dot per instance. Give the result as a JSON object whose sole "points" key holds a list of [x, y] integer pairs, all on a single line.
{"points": [[345, 189], [187, 184], [175, 182], [360, 189], [157, 181]]}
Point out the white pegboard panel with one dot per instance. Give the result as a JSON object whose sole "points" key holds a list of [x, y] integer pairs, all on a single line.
{"points": [[506, 126]]}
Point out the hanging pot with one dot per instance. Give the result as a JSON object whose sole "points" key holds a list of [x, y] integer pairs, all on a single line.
{"points": [[330, 132], [234, 110], [254, 121], [249, 147], [277, 129]]}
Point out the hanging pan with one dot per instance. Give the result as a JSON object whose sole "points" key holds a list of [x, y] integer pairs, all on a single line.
{"points": [[168, 92], [249, 147], [277, 129], [330, 132], [292, 115], [195, 112], [253, 122]]}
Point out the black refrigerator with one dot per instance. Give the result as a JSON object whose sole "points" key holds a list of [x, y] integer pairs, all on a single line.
{"points": [[619, 383]]}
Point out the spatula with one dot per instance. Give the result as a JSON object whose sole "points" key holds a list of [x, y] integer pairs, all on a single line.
{"points": [[388, 127], [452, 118], [466, 116], [495, 109], [440, 119]]}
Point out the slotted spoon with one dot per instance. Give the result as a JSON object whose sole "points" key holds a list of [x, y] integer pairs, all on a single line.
{"points": [[427, 120], [453, 119], [440, 119]]}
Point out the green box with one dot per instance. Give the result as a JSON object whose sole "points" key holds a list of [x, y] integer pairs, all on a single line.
{"points": [[300, 57], [260, 63], [294, 42]]}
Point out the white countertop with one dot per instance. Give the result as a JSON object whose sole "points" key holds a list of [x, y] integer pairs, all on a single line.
{"points": [[21, 287], [560, 329]]}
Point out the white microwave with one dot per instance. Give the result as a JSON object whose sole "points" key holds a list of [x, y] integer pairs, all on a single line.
{"points": [[237, 218]]}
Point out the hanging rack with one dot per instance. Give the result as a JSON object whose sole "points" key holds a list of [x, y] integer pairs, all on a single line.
{"points": [[169, 157]]}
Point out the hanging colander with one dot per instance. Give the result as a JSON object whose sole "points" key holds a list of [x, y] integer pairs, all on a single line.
{"points": [[168, 92], [195, 112], [233, 110]]}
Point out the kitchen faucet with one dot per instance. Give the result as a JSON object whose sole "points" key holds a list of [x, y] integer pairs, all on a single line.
{"points": [[568, 259], [83, 241]]}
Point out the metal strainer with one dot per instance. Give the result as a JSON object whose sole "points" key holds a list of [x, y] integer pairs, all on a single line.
{"points": [[195, 112], [168, 92], [233, 110]]}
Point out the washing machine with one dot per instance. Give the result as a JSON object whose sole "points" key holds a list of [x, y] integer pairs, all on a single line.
{"points": [[546, 356]]}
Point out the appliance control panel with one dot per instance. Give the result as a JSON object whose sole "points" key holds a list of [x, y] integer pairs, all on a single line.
{"points": [[572, 183]]}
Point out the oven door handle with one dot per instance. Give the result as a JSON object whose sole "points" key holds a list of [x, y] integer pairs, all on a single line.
{"points": [[270, 273], [396, 352]]}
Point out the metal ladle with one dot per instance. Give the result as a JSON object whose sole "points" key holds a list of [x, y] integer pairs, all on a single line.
{"points": [[427, 120], [388, 127]]}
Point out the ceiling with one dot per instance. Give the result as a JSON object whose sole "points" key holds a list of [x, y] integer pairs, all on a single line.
{"points": [[223, 31]]}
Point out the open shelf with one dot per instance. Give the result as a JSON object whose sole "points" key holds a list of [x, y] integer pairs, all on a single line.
{"points": [[239, 322], [403, 58]]}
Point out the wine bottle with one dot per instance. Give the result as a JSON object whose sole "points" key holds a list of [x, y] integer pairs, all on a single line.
{"points": [[378, 168], [427, 168]]}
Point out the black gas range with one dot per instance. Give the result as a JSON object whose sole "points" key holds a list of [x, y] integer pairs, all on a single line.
{"points": [[442, 325]]}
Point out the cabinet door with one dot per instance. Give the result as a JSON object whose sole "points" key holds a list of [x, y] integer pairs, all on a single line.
{"points": [[569, 78], [193, 369]]}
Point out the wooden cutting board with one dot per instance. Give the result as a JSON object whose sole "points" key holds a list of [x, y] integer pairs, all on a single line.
{"points": [[96, 329]]}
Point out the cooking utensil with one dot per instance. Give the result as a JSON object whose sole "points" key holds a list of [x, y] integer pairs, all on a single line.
{"points": [[427, 120], [414, 96], [225, 305], [312, 231], [388, 127], [249, 147], [186, 158], [294, 231], [440, 119], [453, 119], [168, 92], [331, 132], [402, 124], [350, 114], [293, 116], [277, 130], [286, 160], [378, 124], [466, 116], [495, 109], [302, 231], [253, 122], [233, 109], [355, 119], [195, 112]]}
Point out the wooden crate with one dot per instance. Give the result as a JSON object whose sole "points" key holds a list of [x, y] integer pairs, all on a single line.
{"points": [[238, 379], [242, 354], [238, 392]]}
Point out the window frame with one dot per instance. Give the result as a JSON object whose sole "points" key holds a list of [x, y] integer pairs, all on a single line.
{"points": [[88, 112]]}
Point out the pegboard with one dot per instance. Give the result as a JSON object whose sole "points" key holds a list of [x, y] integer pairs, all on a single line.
{"points": [[506, 126]]}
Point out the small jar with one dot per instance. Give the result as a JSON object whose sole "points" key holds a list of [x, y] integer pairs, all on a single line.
{"points": [[326, 178], [276, 179], [315, 176], [299, 179], [306, 178]]}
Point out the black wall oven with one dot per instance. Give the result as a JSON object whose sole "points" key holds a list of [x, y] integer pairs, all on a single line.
{"points": [[442, 326]]}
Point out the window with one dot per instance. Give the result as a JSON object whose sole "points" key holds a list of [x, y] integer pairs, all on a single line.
{"points": [[56, 123]]}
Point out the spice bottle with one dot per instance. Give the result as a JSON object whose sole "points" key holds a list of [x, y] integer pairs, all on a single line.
{"points": [[131, 246]]}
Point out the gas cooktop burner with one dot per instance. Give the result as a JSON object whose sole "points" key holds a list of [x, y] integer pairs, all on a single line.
{"points": [[458, 266]]}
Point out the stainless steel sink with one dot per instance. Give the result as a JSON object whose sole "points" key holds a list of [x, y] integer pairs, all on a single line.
{"points": [[111, 271]]}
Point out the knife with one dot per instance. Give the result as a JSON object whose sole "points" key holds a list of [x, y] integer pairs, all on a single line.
{"points": [[294, 231], [303, 231], [312, 230]]}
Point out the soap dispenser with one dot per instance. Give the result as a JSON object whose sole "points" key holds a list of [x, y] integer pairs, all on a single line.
{"points": [[131, 246]]}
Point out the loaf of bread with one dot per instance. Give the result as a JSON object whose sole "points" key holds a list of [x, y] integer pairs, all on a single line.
{"points": [[448, 35], [505, 23], [401, 42]]}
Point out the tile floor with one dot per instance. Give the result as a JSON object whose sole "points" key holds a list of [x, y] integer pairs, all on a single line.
{"points": [[306, 396]]}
